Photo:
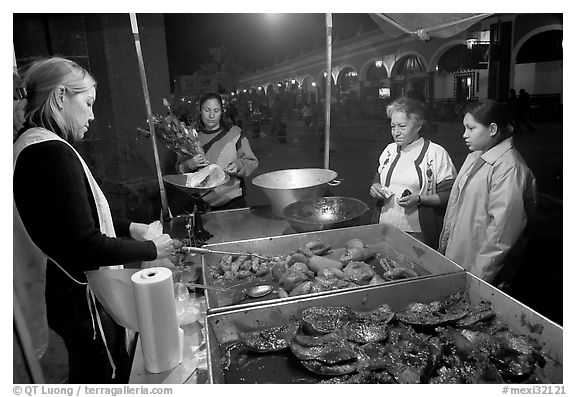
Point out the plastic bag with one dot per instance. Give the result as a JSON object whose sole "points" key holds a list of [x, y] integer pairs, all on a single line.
{"points": [[155, 229], [188, 309], [210, 176]]}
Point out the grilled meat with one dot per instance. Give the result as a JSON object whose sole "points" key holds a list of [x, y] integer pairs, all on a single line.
{"points": [[325, 319], [269, 339]]}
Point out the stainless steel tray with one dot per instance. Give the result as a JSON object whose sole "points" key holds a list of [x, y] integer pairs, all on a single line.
{"points": [[223, 328], [386, 239]]}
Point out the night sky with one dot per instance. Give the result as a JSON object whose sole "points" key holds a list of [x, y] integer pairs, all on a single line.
{"points": [[255, 39]]}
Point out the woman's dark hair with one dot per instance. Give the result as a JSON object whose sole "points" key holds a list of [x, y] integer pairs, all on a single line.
{"points": [[224, 124], [488, 111]]}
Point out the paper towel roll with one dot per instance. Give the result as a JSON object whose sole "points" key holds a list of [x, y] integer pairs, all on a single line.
{"points": [[161, 338]]}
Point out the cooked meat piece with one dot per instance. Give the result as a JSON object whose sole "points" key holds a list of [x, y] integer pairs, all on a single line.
{"points": [[269, 339], [514, 356], [332, 273], [411, 358], [369, 327], [325, 319], [359, 272], [355, 242], [294, 276], [472, 365], [278, 270], [436, 313], [399, 273], [317, 247], [317, 340], [357, 254], [376, 280], [480, 312], [323, 369], [331, 352], [302, 289]]}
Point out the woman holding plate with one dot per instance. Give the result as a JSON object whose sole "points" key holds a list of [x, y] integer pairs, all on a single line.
{"points": [[225, 146]]}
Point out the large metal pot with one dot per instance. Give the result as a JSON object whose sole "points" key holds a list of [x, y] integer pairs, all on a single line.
{"points": [[324, 213], [287, 186]]}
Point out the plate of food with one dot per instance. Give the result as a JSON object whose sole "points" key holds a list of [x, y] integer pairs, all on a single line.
{"points": [[199, 182]]}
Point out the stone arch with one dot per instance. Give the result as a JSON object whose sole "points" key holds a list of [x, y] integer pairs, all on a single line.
{"points": [[435, 58], [269, 88], [405, 54], [531, 34], [547, 106], [347, 83], [343, 67], [411, 84], [322, 78], [309, 92], [363, 73], [307, 80]]}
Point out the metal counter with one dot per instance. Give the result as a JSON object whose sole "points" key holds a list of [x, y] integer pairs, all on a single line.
{"points": [[236, 224]]}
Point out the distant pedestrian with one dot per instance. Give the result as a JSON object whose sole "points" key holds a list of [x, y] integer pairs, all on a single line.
{"points": [[277, 113], [512, 103], [233, 111], [523, 114], [307, 114]]}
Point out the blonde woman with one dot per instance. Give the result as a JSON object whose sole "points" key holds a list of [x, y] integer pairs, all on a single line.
{"points": [[63, 226]]}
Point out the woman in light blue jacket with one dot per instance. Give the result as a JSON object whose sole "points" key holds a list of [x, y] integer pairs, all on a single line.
{"points": [[491, 199]]}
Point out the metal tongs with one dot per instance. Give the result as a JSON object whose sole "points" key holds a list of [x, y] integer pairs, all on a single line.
{"points": [[199, 250]]}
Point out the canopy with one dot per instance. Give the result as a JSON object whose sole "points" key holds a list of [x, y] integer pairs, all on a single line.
{"points": [[425, 26]]}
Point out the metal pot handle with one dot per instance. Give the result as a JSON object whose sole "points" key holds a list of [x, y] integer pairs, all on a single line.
{"points": [[335, 182]]}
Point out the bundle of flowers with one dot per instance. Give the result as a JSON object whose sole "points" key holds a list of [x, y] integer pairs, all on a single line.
{"points": [[175, 135]]}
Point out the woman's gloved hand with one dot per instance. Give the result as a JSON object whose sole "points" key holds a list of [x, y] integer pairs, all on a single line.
{"points": [[164, 246], [138, 231]]}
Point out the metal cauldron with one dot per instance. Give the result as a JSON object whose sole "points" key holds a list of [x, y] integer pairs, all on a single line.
{"points": [[324, 213], [287, 186]]}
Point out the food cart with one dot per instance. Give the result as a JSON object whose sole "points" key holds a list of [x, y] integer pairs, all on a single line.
{"points": [[260, 230]]}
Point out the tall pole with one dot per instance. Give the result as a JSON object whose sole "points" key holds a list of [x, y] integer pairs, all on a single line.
{"points": [[165, 210], [328, 89]]}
